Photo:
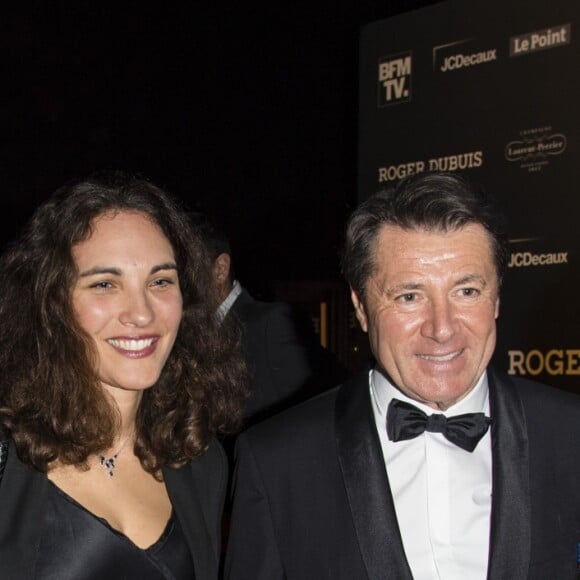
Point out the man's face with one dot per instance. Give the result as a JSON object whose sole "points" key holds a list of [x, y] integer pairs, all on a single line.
{"points": [[221, 276], [430, 310]]}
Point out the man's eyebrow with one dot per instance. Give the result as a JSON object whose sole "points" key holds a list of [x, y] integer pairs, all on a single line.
{"points": [[402, 288], [411, 286], [471, 278], [99, 270]]}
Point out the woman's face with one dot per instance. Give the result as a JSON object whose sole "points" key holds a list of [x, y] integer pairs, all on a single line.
{"points": [[127, 298]]}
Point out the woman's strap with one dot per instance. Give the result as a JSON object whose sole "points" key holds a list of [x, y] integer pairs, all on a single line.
{"points": [[3, 456], [3, 450]]}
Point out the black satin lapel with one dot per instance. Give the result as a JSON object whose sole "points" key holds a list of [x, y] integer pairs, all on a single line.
{"points": [[183, 487], [510, 513], [363, 469], [22, 495]]}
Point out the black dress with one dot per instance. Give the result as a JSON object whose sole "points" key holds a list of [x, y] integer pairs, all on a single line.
{"points": [[77, 545]]}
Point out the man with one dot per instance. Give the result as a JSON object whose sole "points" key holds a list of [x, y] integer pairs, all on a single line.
{"points": [[285, 360], [357, 483]]}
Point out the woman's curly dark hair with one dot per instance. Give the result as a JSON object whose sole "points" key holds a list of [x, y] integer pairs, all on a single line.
{"points": [[51, 400]]}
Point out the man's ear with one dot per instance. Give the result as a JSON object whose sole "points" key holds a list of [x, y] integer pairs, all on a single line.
{"points": [[359, 310], [221, 269]]}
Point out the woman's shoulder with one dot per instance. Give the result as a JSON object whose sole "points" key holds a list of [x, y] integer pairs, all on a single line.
{"points": [[209, 465], [214, 457]]}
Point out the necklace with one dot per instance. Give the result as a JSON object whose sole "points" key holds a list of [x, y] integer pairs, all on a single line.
{"points": [[108, 463]]}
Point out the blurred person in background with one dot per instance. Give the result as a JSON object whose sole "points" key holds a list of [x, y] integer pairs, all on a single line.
{"points": [[287, 364]]}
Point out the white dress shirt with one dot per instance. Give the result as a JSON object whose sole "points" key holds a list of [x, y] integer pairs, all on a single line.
{"points": [[442, 493]]}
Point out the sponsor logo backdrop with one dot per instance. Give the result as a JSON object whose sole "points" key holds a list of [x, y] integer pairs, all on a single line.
{"points": [[491, 89]]}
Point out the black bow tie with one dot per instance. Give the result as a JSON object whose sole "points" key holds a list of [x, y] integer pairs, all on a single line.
{"points": [[405, 421]]}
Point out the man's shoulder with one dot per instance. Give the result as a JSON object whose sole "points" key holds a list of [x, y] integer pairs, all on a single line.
{"points": [[300, 434], [313, 414], [306, 421], [548, 405], [543, 394]]}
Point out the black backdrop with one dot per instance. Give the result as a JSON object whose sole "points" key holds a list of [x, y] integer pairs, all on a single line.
{"points": [[492, 89], [241, 109]]}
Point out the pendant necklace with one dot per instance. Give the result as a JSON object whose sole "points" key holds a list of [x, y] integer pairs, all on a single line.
{"points": [[108, 463]]}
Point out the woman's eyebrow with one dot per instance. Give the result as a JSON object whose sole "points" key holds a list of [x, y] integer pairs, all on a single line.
{"points": [[101, 270], [164, 266], [97, 270]]}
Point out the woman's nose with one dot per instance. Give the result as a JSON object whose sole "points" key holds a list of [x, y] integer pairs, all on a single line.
{"points": [[137, 309]]}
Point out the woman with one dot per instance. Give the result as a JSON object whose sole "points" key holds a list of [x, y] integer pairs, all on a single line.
{"points": [[114, 381]]}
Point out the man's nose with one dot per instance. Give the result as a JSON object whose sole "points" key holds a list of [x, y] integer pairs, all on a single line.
{"points": [[440, 322]]}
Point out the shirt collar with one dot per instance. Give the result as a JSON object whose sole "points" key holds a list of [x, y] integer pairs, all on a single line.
{"points": [[225, 306], [383, 391]]}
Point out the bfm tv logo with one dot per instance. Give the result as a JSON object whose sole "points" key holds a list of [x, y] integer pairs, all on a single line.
{"points": [[394, 79]]}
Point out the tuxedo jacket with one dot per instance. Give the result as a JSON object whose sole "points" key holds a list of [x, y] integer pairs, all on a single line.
{"points": [[312, 498], [277, 353], [196, 491]]}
